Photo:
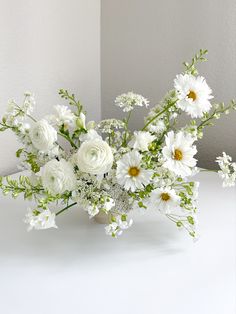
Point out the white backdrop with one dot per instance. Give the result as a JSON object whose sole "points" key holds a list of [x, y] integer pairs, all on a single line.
{"points": [[44, 46]]}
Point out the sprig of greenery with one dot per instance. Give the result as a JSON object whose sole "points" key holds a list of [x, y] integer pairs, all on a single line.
{"points": [[218, 110], [190, 68], [72, 100], [22, 185]]}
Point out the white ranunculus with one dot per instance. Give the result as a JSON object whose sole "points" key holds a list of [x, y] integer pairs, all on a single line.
{"points": [[94, 157], [141, 140], [58, 176], [43, 135]]}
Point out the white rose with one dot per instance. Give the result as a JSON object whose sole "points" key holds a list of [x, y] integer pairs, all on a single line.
{"points": [[141, 140], [94, 157], [43, 135], [58, 176]]}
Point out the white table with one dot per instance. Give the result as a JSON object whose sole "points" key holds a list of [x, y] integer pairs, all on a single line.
{"points": [[152, 268]]}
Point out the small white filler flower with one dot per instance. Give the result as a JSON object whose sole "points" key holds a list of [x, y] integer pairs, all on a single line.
{"points": [[130, 100], [178, 153], [141, 140], [40, 220], [63, 116], [193, 94], [130, 173]]}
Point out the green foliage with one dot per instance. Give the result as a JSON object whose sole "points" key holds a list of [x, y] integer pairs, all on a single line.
{"points": [[215, 114], [190, 68], [71, 99], [22, 185]]}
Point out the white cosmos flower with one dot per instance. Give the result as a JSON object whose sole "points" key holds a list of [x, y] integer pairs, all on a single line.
{"points": [[43, 135], [141, 140], [129, 172], [193, 94], [58, 176], [178, 153], [164, 199], [94, 157], [90, 135], [62, 116], [40, 220]]}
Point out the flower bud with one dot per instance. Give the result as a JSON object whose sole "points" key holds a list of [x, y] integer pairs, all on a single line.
{"points": [[80, 122]]}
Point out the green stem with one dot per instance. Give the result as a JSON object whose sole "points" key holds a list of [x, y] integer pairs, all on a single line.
{"points": [[126, 128], [32, 118], [68, 139], [157, 115], [65, 208], [208, 170]]}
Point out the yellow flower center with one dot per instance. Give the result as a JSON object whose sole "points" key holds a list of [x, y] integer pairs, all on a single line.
{"points": [[192, 95], [178, 155], [134, 171], [165, 197]]}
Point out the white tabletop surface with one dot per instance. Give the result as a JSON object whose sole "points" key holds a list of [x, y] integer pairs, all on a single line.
{"points": [[152, 268]]}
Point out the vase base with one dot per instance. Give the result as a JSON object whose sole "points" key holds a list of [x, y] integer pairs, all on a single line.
{"points": [[102, 218]]}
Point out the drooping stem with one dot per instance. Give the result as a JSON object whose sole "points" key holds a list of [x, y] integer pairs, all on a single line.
{"points": [[65, 208]]}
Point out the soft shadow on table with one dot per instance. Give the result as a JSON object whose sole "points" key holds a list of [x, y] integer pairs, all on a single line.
{"points": [[79, 239]]}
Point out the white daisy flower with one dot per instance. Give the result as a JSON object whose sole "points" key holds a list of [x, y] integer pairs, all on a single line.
{"points": [[164, 199], [178, 153], [130, 100], [193, 94], [141, 140], [130, 173]]}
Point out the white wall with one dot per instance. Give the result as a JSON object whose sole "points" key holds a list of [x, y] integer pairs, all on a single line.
{"points": [[46, 45], [143, 46]]}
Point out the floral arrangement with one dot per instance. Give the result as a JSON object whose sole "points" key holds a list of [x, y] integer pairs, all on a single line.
{"points": [[106, 168]]}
